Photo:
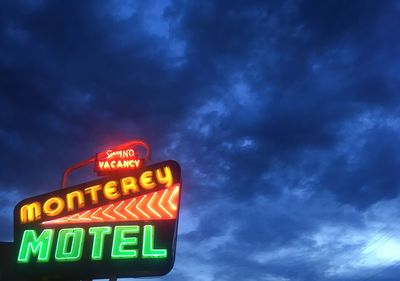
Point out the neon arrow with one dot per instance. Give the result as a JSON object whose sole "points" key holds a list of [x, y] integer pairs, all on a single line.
{"points": [[159, 205]]}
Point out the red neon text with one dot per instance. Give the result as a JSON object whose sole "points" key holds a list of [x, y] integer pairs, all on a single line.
{"points": [[120, 164], [121, 153]]}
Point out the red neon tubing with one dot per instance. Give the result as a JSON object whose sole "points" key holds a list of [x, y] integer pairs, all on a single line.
{"points": [[86, 162]]}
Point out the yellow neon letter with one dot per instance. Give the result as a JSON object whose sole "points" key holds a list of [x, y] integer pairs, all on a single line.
{"points": [[146, 180], [49, 210], [78, 194], [129, 184], [166, 178], [92, 190], [30, 212], [110, 190]]}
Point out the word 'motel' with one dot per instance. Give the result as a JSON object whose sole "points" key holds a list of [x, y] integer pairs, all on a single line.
{"points": [[70, 241]]}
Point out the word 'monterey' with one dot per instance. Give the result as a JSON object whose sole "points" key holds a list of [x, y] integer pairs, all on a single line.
{"points": [[91, 195]]}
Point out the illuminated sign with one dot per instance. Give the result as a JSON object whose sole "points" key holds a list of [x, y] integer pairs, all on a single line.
{"points": [[120, 158], [123, 225]]}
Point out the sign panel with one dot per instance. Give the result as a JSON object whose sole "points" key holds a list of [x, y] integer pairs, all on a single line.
{"points": [[119, 226], [118, 159]]}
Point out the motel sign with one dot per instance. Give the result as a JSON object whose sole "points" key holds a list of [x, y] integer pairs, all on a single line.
{"points": [[120, 225]]}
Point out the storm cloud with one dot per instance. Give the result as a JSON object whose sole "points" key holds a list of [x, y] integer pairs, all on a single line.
{"points": [[283, 115]]}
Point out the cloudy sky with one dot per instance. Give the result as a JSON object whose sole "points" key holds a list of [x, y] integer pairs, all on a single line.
{"points": [[284, 116]]}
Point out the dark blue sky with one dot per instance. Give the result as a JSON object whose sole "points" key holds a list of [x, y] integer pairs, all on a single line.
{"points": [[284, 116]]}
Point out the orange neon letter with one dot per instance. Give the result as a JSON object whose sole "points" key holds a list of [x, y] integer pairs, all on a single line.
{"points": [[129, 184], [146, 180], [93, 191], [70, 199], [50, 210], [30, 212], [165, 178], [110, 190]]}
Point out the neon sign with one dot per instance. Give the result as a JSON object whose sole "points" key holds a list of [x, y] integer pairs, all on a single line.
{"points": [[95, 193], [122, 225], [120, 159], [39, 247], [159, 205]]}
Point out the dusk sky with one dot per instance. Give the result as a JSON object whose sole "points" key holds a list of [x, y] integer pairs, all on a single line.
{"points": [[284, 116]]}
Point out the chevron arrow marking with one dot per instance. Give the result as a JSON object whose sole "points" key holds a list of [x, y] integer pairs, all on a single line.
{"points": [[137, 207], [73, 217], [92, 216], [149, 206], [128, 211], [159, 205], [173, 206], [115, 210], [105, 212], [83, 218], [162, 207]]}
